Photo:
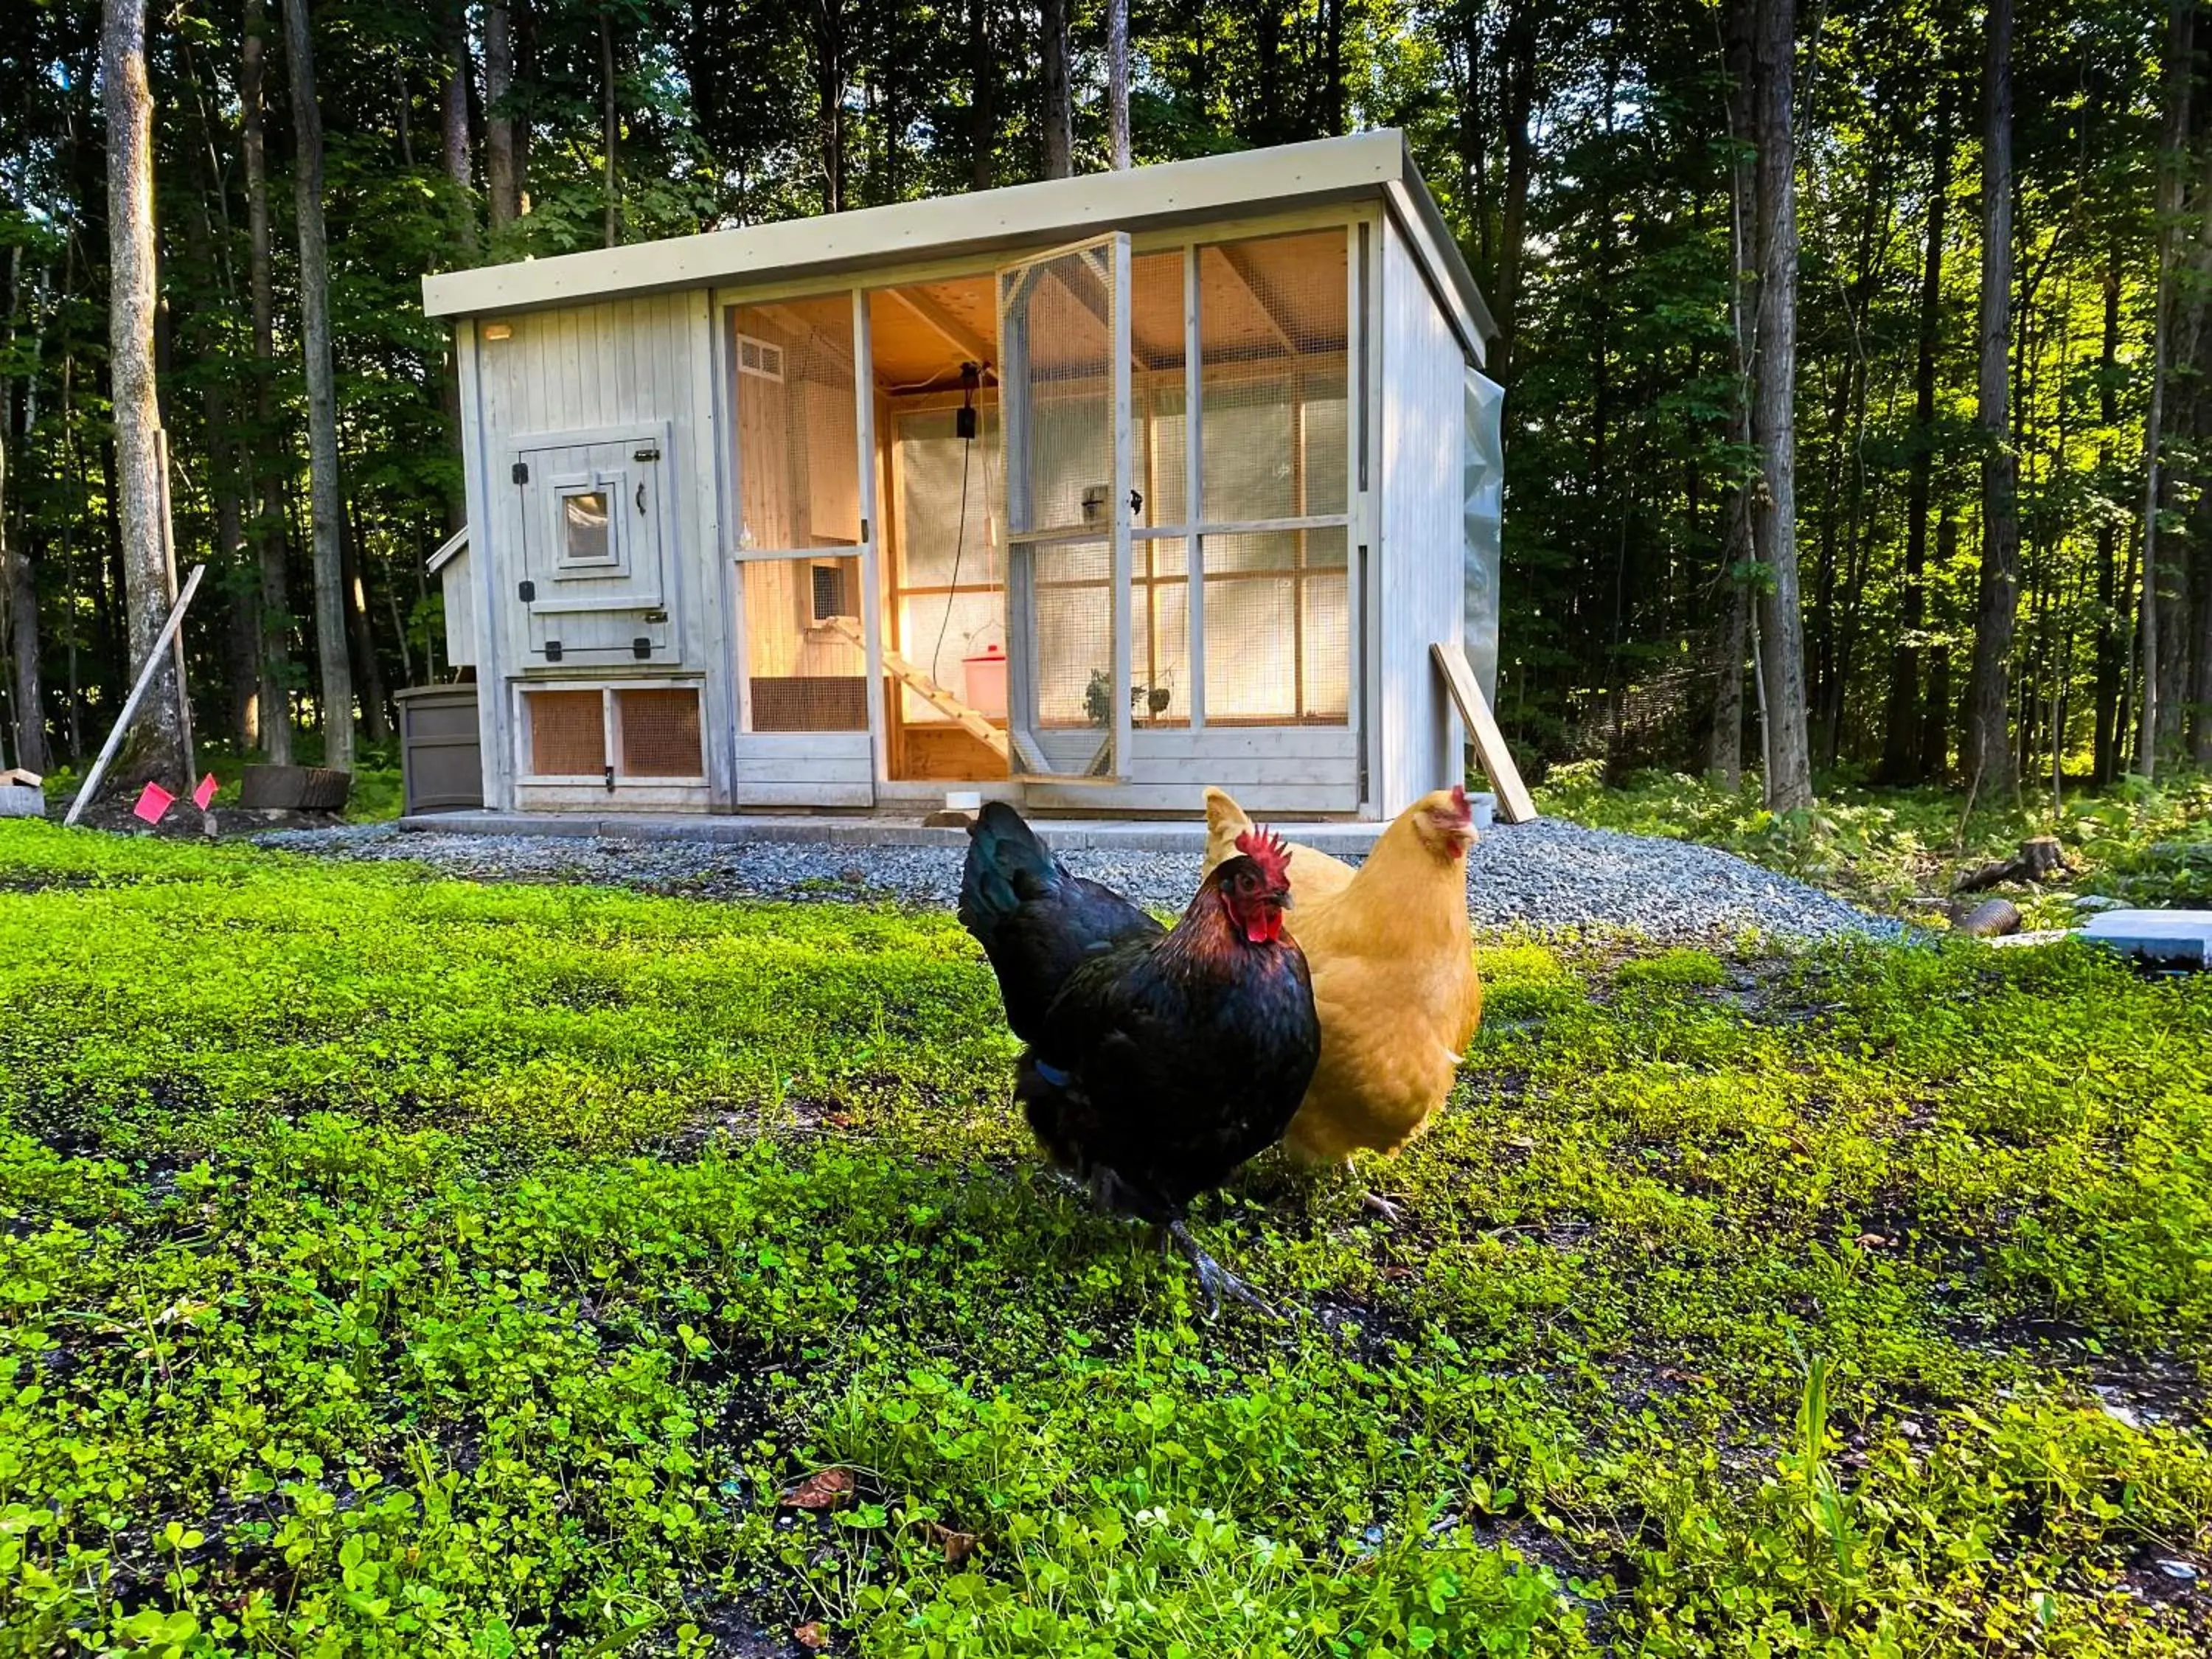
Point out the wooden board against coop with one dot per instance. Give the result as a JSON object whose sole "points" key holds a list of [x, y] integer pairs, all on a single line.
{"points": [[1514, 803]]}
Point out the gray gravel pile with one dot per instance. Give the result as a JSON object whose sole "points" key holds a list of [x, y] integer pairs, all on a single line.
{"points": [[1545, 875]]}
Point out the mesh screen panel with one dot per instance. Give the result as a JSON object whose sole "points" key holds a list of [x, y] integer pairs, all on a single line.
{"points": [[1157, 389], [798, 472], [1278, 644], [1159, 678], [1074, 665], [949, 554], [1058, 320], [567, 734], [801, 675], [1273, 321], [659, 731]]}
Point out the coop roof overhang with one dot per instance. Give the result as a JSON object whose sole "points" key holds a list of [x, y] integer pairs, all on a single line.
{"points": [[1363, 167]]}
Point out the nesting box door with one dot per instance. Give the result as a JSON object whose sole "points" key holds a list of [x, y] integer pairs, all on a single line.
{"points": [[1063, 398], [595, 546]]}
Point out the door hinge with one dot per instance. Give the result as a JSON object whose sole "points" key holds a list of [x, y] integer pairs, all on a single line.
{"points": [[520, 472], [640, 647], [525, 591], [647, 454], [552, 650]]}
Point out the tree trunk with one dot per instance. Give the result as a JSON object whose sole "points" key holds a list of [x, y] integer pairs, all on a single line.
{"points": [[2109, 732], [1059, 107], [828, 21], [2180, 71], [983, 111], [369, 671], [1117, 81], [1902, 755], [19, 587], [1520, 43], [1725, 756], [324, 508], [502, 155], [269, 519], [157, 750], [611, 121], [1773, 422], [454, 121], [1988, 759]]}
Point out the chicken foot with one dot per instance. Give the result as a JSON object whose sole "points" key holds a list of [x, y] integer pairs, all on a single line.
{"points": [[1214, 1279]]}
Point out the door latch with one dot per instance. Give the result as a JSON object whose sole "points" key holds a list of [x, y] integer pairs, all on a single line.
{"points": [[647, 454]]}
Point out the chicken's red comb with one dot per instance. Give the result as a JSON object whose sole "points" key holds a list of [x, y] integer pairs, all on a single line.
{"points": [[1269, 851]]}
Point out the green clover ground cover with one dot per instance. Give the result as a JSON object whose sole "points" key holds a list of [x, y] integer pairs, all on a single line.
{"points": [[396, 1266]]}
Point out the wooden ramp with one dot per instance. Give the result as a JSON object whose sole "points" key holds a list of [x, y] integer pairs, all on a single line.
{"points": [[1514, 805], [976, 723]]}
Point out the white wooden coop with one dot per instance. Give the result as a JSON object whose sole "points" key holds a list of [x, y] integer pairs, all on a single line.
{"points": [[1087, 493]]}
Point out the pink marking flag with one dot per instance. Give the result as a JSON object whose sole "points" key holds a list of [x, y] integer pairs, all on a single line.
{"points": [[155, 801], [204, 797]]}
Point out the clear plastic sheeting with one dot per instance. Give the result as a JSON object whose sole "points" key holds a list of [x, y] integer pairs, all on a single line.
{"points": [[1277, 628], [799, 446], [803, 666], [1482, 465]]}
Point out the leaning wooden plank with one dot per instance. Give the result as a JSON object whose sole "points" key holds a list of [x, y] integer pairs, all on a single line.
{"points": [[138, 695], [1515, 804]]}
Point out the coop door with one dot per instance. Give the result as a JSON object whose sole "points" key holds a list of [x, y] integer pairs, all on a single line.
{"points": [[1064, 391], [595, 547]]}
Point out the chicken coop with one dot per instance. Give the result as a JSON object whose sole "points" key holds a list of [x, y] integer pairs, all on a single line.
{"points": [[1082, 494]]}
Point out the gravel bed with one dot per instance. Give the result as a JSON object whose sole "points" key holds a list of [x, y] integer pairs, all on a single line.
{"points": [[1545, 875]]}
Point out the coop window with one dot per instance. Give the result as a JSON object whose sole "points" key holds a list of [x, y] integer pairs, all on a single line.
{"points": [[584, 533], [804, 669], [798, 425]]}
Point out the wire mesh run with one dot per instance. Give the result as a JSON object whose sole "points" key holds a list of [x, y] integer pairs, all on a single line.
{"points": [[1159, 662], [659, 731], [1274, 323], [799, 446], [804, 664], [1277, 628], [1074, 664], [567, 734], [949, 600], [1058, 328]]}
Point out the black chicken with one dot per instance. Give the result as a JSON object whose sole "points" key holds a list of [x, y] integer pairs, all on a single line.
{"points": [[1159, 1059]]}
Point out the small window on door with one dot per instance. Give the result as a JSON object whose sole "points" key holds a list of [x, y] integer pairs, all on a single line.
{"points": [[583, 527], [829, 592]]}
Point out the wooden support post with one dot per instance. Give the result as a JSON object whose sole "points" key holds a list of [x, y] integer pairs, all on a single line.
{"points": [[1515, 804], [139, 696]]}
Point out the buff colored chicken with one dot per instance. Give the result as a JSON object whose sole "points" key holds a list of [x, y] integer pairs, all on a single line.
{"points": [[1394, 975]]}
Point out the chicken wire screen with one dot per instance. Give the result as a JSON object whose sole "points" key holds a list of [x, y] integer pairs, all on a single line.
{"points": [[659, 731], [567, 734], [1158, 390], [950, 598], [1073, 665], [798, 425], [1274, 324], [1277, 636], [1057, 328], [802, 673], [1159, 664]]}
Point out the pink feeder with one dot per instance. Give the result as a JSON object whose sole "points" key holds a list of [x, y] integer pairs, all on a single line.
{"points": [[984, 681]]}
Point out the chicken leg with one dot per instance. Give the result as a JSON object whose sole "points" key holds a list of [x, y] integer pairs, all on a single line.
{"points": [[1214, 1279]]}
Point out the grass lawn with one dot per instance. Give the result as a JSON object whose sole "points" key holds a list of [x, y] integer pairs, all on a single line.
{"points": [[396, 1265]]}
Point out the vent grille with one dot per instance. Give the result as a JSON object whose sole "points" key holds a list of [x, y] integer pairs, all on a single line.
{"points": [[761, 357]]}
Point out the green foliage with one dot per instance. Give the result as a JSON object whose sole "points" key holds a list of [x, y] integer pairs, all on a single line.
{"points": [[400, 1266]]}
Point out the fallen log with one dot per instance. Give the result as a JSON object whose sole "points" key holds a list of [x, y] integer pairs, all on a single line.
{"points": [[2039, 859]]}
